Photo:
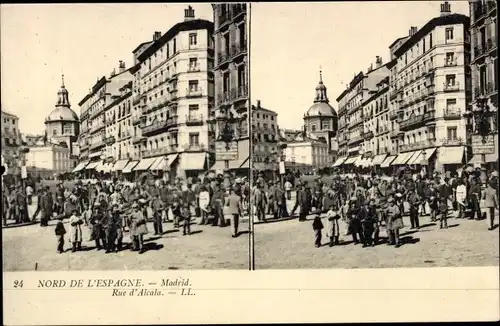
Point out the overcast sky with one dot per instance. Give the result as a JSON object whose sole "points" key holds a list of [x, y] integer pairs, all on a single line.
{"points": [[86, 41], [290, 41]]}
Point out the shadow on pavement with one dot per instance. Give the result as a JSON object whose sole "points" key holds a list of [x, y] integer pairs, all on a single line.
{"points": [[152, 246], [409, 240], [453, 225], [273, 220], [196, 232], [12, 226], [409, 232], [242, 232]]}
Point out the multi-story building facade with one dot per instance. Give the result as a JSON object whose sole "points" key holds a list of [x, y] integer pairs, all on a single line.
{"points": [[11, 140], [265, 138], [93, 109], [484, 42], [431, 91], [230, 120], [350, 115], [173, 97], [306, 154]]}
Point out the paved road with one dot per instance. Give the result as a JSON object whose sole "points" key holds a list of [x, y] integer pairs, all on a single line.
{"points": [[290, 244], [208, 247]]}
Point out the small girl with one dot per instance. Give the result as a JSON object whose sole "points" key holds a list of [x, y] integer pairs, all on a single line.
{"points": [[60, 232], [317, 227], [443, 209], [333, 230]]}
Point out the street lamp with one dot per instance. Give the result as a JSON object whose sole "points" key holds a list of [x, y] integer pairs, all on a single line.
{"points": [[424, 163]]}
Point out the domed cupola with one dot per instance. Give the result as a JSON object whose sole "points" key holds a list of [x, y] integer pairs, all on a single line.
{"points": [[321, 108], [62, 111]]}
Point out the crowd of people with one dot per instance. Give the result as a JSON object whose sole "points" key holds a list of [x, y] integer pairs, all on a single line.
{"points": [[111, 208], [369, 204]]}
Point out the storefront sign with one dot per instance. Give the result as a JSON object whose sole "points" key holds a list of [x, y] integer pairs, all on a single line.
{"points": [[226, 152], [483, 147]]}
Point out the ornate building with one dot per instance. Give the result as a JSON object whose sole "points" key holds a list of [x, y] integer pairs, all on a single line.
{"points": [[320, 121], [62, 125]]}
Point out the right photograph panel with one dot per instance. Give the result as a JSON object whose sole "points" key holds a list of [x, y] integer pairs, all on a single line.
{"points": [[374, 134]]}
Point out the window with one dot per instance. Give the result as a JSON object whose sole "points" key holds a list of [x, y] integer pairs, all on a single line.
{"points": [[449, 33], [192, 39], [54, 132], [450, 80], [423, 45], [450, 103], [313, 128], [450, 58], [226, 43], [452, 133], [226, 82], [193, 85], [430, 41], [174, 50], [193, 64]]}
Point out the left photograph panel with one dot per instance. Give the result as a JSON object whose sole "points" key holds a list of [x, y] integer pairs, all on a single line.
{"points": [[124, 132]]}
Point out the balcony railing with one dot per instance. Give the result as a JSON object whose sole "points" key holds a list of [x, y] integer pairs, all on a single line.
{"points": [[162, 150], [194, 92], [237, 49], [222, 58], [138, 139], [110, 140], [491, 88], [429, 115], [418, 145], [194, 68], [451, 87], [450, 62], [394, 133], [194, 147], [356, 139], [452, 141], [491, 44], [478, 51], [223, 98], [194, 120], [136, 120], [158, 126], [97, 144], [414, 120], [452, 113], [368, 135]]}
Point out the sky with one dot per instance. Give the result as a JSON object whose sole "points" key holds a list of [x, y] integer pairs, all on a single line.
{"points": [[291, 41], [85, 41]]}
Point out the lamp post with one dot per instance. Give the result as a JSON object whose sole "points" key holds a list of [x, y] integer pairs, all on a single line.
{"points": [[424, 163], [478, 124]]}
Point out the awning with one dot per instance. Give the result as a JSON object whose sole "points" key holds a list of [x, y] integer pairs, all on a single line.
{"points": [[159, 164], [80, 166], [240, 164], [108, 167], [387, 162], [92, 165], [476, 159], [145, 164], [339, 161], [451, 155], [402, 158], [490, 158], [99, 167], [193, 161], [120, 165], [130, 166], [219, 165], [352, 160], [413, 157], [378, 159], [368, 162]]}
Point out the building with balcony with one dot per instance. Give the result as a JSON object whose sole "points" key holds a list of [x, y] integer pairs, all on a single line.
{"points": [[62, 125], [306, 154], [483, 65], [48, 160], [10, 140], [429, 88], [230, 120], [265, 136], [173, 97], [95, 108], [351, 129]]}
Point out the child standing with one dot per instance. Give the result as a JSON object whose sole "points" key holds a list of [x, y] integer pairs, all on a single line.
{"points": [[333, 230], [60, 232], [76, 222], [317, 227], [443, 208], [186, 215]]}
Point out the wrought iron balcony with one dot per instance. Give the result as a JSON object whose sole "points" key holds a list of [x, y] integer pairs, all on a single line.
{"points": [[238, 49], [478, 51], [194, 68], [491, 88], [455, 87], [223, 99], [452, 141], [429, 116], [97, 144], [110, 140], [194, 92], [410, 122], [158, 126], [356, 139], [239, 9], [194, 147], [452, 114], [138, 139], [491, 44], [136, 120], [223, 58], [394, 133], [450, 62], [368, 135], [194, 119]]}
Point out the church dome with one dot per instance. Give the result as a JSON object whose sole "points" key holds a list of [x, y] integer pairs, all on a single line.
{"points": [[63, 111], [321, 108]]}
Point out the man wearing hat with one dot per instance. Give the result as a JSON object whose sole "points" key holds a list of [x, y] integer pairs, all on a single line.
{"points": [[490, 197], [475, 196], [114, 232], [217, 202], [271, 200], [394, 222]]}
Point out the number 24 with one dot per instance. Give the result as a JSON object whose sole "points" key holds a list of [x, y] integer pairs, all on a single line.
{"points": [[18, 284]]}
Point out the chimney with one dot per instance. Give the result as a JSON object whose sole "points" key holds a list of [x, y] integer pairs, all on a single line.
{"points": [[156, 36], [121, 66], [445, 9], [113, 73], [188, 13], [413, 30], [371, 67], [378, 61], [258, 104]]}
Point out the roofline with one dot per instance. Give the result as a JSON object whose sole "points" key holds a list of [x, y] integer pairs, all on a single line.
{"points": [[140, 45], [189, 25], [433, 23], [396, 41], [118, 100], [375, 95]]}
